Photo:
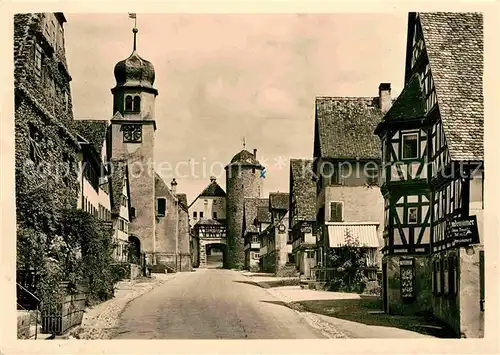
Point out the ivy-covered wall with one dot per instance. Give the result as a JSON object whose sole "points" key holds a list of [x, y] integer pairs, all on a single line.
{"points": [[421, 303]]}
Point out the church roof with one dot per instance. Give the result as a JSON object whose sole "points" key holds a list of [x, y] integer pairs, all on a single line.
{"points": [[344, 127], [94, 131], [135, 71], [117, 181], [182, 198], [304, 188], [454, 44]]}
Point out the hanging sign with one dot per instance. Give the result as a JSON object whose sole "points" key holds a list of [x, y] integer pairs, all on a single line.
{"points": [[463, 231]]}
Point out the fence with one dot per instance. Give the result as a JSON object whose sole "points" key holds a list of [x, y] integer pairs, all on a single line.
{"points": [[28, 314], [57, 319]]}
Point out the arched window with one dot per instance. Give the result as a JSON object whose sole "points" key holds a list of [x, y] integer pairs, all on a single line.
{"points": [[137, 103], [128, 103]]}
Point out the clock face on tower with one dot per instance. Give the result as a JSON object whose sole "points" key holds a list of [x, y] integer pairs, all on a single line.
{"points": [[132, 133]]}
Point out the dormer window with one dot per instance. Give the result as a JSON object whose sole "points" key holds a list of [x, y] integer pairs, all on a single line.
{"points": [[410, 146], [133, 103]]}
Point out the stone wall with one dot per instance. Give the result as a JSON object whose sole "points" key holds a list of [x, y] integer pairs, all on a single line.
{"points": [[184, 240], [241, 182]]}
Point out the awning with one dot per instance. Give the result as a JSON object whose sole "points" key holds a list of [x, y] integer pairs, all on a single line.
{"points": [[365, 233]]}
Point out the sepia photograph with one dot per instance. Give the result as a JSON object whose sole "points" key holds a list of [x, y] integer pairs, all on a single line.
{"points": [[249, 175]]}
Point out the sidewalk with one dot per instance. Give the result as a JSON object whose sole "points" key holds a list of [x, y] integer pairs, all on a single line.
{"points": [[100, 321], [295, 297]]}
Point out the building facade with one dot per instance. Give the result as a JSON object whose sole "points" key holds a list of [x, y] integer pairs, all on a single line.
{"points": [[208, 215], [251, 232], [303, 216], [47, 151], [346, 164], [433, 184], [276, 244]]}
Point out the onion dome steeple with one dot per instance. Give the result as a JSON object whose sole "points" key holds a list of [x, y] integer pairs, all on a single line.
{"points": [[135, 71]]}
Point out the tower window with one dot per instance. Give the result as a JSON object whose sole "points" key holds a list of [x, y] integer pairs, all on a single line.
{"points": [[133, 103], [137, 103], [162, 205], [128, 103]]}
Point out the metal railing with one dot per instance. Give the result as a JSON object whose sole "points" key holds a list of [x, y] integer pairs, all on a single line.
{"points": [[30, 311]]}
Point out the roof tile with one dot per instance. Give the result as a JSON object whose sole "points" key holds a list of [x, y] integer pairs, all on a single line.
{"points": [[454, 44]]}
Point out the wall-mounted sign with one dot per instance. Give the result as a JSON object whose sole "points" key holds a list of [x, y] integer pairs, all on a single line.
{"points": [[463, 231], [407, 274]]}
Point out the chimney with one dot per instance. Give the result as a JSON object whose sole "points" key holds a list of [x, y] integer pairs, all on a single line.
{"points": [[384, 97], [255, 153], [213, 179], [173, 184]]}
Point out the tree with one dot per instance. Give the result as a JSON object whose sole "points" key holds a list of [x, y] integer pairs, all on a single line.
{"points": [[348, 262]]}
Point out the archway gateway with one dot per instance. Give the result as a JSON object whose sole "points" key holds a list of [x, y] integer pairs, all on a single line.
{"points": [[216, 255], [212, 243]]}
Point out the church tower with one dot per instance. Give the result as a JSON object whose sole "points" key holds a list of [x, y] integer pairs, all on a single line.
{"points": [[132, 137]]}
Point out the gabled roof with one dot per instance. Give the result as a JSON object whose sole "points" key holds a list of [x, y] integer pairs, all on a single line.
{"points": [[279, 201], [263, 213], [213, 190], [249, 212], [304, 188], [410, 104], [454, 44], [209, 222], [94, 131], [117, 181], [344, 127]]}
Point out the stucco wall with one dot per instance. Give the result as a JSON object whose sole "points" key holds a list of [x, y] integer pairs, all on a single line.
{"points": [[167, 227], [214, 204], [141, 181]]}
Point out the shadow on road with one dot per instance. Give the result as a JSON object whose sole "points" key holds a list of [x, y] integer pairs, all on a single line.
{"points": [[248, 283]]}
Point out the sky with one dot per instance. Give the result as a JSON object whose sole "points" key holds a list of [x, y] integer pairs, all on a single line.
{"points": [[224, 77]]}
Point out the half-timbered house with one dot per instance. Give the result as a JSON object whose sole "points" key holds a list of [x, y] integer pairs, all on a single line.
{"points": [[432, 149]]}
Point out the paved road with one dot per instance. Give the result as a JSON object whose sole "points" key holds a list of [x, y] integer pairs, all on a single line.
{"points": [[211, 304]]}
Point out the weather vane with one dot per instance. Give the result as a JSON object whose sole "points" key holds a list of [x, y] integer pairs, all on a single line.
{"points": [[135, 30], [243, 142]]}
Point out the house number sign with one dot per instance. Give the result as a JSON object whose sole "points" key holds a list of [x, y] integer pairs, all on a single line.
{"points": [[407, 273]]}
